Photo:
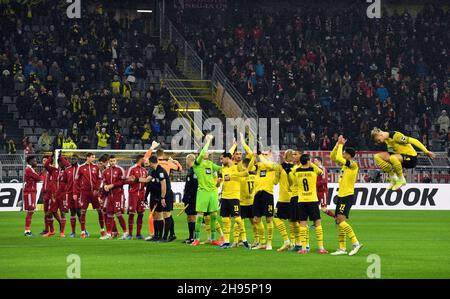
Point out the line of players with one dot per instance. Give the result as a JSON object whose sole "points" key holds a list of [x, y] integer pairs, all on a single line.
{"points": [[247, 193], [72, 187]]}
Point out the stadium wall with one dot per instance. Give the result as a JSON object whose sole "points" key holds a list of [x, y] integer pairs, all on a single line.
{"points": [[368, 196]]}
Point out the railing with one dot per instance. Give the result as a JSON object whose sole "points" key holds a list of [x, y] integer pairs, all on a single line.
{"points": [[191, 64], [437, 171]]}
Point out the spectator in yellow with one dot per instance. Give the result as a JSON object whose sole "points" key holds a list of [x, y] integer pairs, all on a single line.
{"points": [[147, 133], [76, 103], [69, 143], [126, 90], [115, 85], [103, 138]]}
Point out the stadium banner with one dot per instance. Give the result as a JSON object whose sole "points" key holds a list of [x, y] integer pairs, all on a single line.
{"points": [[367, 196], [203, 4]]}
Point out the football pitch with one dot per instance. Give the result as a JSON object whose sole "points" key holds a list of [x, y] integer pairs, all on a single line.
{"points": [[410, 244]]}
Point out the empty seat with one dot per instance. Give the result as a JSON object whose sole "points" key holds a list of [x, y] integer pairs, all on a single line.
{"points": [[28, 131], [146, 146], [12, 173], [23, 123], [138, 146], [129, 146], [12, 108], [38, 131], [33, 139], [7, 100]]}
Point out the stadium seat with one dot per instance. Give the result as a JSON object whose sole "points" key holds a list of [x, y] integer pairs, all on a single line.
{"points": [[138, 146], [146, 146], [35, 28], [7, 100], [23, 123], [28, 131], [129, 146], [33, 139], [38, 131], [12, 174]]}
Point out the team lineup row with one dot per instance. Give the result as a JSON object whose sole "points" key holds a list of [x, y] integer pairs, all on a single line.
{"points": [[246, 192]]}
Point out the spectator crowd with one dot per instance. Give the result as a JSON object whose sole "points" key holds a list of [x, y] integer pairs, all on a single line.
{"points": [[324, 70], [86, 82]]}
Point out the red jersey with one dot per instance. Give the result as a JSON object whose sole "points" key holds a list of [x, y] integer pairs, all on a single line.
{"points": [[322, 181], [115, 176], [54, 174], [87, 177], [137, 172], [69, 179], [30, 178], [43, 176]]}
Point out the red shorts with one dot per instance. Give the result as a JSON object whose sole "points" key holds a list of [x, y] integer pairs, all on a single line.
{"points": [[323, 196], [88, 197], [61, 203], [72, 203], [46, 200], [114, 203], [136, 203], [29, 200]]}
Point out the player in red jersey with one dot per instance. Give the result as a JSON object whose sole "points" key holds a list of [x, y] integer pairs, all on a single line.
{"points": [[137, 177], [45, 194], [103, 164], [56, 195], [72, 193], [114, 199], [29, 192], [322, 187], [88, 182]]}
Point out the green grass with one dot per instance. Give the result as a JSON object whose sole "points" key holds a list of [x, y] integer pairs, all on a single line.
{"points": [[411, 244]]}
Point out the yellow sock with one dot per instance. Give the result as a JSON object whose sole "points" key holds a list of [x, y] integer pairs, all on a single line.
{"points": [[292, 231], [297, 233], [241, 227], [347, 228], [226, 221], [255, 233], [397, 165], [307, 236], [219, 228], [319, 236], [281, 228], [383, 165], [208, 226], [269, 232], [341, 238], [261, 233], [236, 232], [303, 230]]}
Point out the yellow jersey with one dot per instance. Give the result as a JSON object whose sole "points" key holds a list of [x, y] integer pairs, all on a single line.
{"points": [[292, 183], [231, 182], [349, 172], [247, 188], [282, 178], [306, 181], [264, 179], [403, 145]]}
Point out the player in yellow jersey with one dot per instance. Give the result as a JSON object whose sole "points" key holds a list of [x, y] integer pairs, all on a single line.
{"points": [[263, 199], [231, 192], [345, 197], [305, 177], [400, 154], [283, 208], [294, 223]]}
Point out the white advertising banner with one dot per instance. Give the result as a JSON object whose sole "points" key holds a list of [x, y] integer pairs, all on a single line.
{"points": [[367, 196]]}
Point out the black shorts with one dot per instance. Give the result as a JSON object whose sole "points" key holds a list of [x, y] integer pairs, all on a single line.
{"points": [[190, 210], [308, 210], [293, 206], [344, 204], [167, 208], [283, 210], [263, 204], [247, 212], [409, 161], [230, 208]]}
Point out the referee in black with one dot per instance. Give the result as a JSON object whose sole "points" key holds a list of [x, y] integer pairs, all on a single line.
{"points": [[162, 195], [189, 197]]}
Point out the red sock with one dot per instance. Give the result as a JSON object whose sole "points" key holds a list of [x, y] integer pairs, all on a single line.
{"points": [[130, 224], [63, 225], [50, 223], [122, 223], [45, 222], [139, 224], [114, 224], [101, 220], [28, 218], [83, 221], [73, 223], [330, 213], [109, 224], [57, 219]]}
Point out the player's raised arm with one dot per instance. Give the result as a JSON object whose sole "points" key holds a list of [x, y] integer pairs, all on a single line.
{"points": [[208, 139], [247, 148], [317, 169], [233, 147], [150, 150], [415, 142]]}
